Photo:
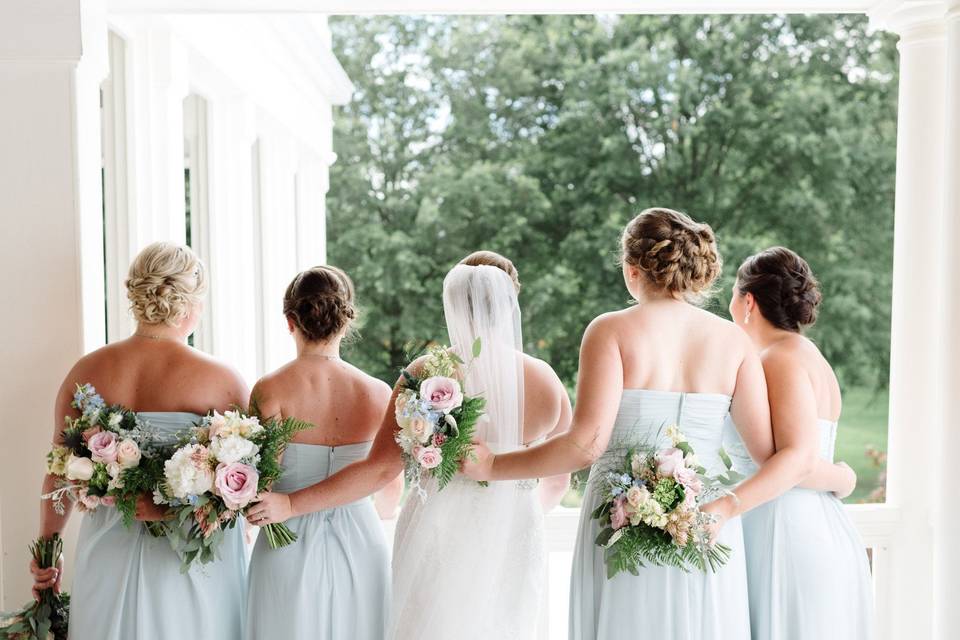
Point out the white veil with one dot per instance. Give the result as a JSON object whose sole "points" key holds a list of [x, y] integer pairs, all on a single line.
{"points": [[479, 549], [480, 302]]}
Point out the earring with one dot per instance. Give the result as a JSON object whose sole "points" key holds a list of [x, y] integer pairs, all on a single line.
{"points": [[746, 318]]}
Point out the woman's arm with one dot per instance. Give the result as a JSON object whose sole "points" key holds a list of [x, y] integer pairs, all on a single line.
{"points": [[553, 488], [837, 478], [794, 415], [599, 386], [388, 499], [353, 482]]}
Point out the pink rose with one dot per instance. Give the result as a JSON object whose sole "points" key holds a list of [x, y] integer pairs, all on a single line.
{"points": [[103, 447], [108, 501], [87, 502], [688, 478], [668, 460], [618, 515], [236, 483], [428, 457], [86, 434], [443, 394]]}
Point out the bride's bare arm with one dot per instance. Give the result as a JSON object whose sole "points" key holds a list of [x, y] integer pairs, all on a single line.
{"points": [[599, 386], [835, 477], [553, 488]]}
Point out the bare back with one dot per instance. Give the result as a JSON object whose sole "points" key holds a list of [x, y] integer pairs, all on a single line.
{"points": [[162, 375], [678, 347], [344, 404], [801, 352], [546, 405]]}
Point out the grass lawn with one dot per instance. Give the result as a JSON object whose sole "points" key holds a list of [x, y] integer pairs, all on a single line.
{"points": [[863, 424]]}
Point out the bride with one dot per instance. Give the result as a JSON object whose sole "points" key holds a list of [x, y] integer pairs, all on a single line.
{"points": [[468, 561], [471, 552]]}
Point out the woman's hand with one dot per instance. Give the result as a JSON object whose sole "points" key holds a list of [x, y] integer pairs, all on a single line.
{"points": [[478, 463], [269, 508], [149, 511], [722, 510], [44, 579], [849, 480]]}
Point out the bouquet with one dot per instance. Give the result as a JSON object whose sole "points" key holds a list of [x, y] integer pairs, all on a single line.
{"points": [[107, 457], [46, 618], [436, 420], [651, 510], [219, 469]]}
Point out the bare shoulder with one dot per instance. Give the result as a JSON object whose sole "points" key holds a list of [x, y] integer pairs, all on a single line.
{"points": [[372, 387], [785, 361], [212, 373], [540, 376]]}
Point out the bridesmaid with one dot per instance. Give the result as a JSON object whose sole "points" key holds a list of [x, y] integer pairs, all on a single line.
{"points": [[128, 584], [663, 361], [334, 581], [806, 565]]}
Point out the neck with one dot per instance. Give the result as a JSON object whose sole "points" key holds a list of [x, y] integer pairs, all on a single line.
{"points": [[329, 349], [160, 332], [766, 335]]}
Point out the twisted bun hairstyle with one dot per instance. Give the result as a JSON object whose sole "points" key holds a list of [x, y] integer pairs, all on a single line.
{"points": [[319, 302], [784, 287], [678, 255], [165, 282]]}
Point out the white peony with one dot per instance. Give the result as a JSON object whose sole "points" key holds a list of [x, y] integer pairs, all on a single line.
{"points": [[128, 453], [250, 426], [78, 468], [232, 448], [188, 471]]}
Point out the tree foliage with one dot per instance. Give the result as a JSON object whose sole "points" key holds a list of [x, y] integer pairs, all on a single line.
{"points": [[541, 136]]}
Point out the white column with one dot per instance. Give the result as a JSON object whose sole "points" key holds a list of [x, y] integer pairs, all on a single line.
{"points": [[946, 622], [312, 185], [915, 411], [50, 210]]}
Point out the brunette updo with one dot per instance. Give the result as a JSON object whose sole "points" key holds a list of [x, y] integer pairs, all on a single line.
{"points": [[783, 286], [319, 302], [165, 282], [678, 255], [494, 259]]}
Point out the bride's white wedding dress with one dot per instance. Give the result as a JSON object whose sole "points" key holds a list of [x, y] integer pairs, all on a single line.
{"points": [[468, 561]]}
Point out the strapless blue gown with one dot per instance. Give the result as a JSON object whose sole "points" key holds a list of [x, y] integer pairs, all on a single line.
{"points": [[127, 584], [333, 583], [662, 602], [806, 564]]}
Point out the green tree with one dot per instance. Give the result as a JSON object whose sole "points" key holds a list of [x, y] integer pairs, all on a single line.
{"points": [[540, 136]]}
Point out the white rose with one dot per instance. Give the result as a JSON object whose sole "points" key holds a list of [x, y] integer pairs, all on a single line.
{"points": [[250, 426], [188, 471], [78, 468], [420, 429], [232, 449], [128, 453], [114, 469]]}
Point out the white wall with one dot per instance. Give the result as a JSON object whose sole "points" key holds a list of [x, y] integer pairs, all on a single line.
{"points": [[266, 79]]}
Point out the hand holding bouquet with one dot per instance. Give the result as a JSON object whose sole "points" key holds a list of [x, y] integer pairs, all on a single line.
{"points": [[108, 456], [651, 510], [46, 618], [436, 421], [213, 477]]}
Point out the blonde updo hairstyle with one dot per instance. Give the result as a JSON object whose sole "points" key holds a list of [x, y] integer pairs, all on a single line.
{"points": [[166, 281], [676, 254], [494, 259]]}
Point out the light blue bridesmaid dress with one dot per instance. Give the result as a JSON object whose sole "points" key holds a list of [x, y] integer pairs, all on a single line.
{"points": [[806, 564], [127, 584], [333, 583], [662, 602]]}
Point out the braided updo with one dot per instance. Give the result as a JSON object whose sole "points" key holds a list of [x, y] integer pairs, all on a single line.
{"points": [[678, 255], [319, 302], [165, 281], [783, 286]]}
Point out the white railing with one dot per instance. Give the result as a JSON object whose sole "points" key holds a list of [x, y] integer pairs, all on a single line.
{"points": [[875, 522]]}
